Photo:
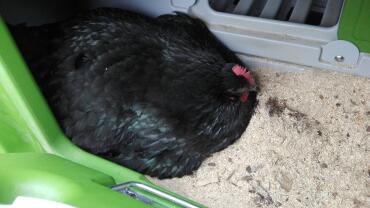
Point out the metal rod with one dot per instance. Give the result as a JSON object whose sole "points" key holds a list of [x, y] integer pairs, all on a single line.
{"points": [[154, 191]]}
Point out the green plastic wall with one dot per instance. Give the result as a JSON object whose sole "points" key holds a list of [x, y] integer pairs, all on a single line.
{"points": [[354, 24], [50, 177]]}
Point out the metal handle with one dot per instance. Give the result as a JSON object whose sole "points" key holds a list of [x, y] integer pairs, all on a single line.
{"points": [[125, 189]]}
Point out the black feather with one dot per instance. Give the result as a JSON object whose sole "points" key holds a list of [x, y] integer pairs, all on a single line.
{"points": [[149, 94]]}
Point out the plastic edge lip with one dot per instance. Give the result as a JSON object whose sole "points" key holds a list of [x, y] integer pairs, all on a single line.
{"points": [[31, 202]]}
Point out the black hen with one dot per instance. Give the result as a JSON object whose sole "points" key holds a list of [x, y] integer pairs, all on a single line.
{"points": [[155, 95]]}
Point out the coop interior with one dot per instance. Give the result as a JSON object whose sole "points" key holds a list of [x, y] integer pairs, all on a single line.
{"points": [[308, 143]]}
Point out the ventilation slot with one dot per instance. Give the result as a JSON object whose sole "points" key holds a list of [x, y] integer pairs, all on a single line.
{"points": [[324, 13]]}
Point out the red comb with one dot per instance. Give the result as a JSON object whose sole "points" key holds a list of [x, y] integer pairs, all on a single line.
{"points": [[241, 71]]}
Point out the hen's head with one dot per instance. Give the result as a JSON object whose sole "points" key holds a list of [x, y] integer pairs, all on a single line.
{"points": [[237, 82]]}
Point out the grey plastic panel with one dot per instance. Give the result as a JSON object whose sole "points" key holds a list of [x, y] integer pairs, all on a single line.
{"points": [[256, 8], [150, 8], [340, 53], [283, 41], [252, 38], [332, 12], [243, 7], [271, 9], [300, 11], [285, 9], [182, 3], [322, 13], [219, 5], [283, 30]]}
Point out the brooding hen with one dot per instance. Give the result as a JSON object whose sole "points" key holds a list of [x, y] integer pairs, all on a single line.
{"points": [[155, 95]]}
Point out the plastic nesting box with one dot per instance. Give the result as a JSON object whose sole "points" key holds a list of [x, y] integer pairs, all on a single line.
{"points": [[37, 160]]}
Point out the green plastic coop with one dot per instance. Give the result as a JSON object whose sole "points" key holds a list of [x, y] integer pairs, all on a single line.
{"points": [[37, 160]]}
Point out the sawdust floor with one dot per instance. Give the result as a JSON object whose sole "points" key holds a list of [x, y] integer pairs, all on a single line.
{"points": [[308, 145]]}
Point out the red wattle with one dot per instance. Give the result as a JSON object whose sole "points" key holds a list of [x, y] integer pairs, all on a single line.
{"points": [[244, 97]]}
